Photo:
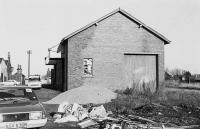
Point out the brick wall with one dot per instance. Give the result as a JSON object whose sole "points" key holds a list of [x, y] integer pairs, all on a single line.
{"points": [[106, 43]]}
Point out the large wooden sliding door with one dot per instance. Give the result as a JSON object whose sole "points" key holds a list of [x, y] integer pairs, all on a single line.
{"points": [[140, 71]]}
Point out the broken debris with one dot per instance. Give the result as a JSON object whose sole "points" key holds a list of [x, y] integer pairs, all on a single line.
{"points": [[145, 117]]}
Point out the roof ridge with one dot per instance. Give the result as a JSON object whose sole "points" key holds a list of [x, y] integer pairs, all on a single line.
{"points": [[110, 14]]}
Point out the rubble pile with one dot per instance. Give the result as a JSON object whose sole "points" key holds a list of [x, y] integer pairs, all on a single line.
{"points": [[84, 117], [84, 95], [151, 116]]}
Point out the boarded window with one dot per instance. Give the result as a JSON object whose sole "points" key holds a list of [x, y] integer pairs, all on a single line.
{"points": [[88, 67]]}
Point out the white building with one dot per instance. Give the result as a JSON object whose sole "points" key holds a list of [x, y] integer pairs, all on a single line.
{"points": [[3, 70]]}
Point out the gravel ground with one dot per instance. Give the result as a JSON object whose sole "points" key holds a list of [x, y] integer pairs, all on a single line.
{"points": [[45, 95]]}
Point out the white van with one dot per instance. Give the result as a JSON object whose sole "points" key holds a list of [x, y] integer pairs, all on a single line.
{"points": [[34, 81]]}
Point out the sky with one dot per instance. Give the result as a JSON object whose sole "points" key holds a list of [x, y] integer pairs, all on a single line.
{"points": [[40, 24]]}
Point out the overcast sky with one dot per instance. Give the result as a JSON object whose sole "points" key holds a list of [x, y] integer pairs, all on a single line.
{"points": [[40, 24]]}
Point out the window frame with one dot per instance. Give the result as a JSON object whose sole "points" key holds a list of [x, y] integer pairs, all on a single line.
{"points": [[92, 71]]}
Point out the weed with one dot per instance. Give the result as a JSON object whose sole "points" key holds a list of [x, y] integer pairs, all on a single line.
{"points": [[131, 98]]}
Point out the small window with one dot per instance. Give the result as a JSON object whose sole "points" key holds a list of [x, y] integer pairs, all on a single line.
{"points": [[88, 67]]}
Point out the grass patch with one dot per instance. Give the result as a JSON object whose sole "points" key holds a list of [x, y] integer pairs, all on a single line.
{"points": [[124, 104], [174, 97], [176, 84], [175, 107], [130, 98]]}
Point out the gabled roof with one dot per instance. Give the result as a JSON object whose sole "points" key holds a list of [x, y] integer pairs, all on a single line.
{"points": [[166, 41], [6, 61]]}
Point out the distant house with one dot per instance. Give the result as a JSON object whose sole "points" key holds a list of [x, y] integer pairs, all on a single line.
{"points": [[9, 66], [116, 51], [19, 76], [196, 78], [3, 70]]}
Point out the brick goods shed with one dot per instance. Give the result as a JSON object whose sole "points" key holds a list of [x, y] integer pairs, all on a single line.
{"points": [[115, 51]]}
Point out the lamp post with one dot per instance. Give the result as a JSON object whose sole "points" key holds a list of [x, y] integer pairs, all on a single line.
{"points": [[29, 52]]}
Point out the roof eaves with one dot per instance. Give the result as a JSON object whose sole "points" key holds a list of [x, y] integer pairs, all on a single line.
{"points": [[6, 61], [91, 24], [145, 26], [85, 27]]}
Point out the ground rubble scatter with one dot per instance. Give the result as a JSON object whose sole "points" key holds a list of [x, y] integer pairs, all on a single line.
{"points": [[143, 117], [150, 115], [180, 115]]}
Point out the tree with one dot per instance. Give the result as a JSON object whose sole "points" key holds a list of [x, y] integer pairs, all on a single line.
{"points": [[177, 74], [187, 75]]}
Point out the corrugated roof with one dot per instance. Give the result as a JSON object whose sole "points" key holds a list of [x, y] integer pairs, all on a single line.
{"points": [[166, 41]]}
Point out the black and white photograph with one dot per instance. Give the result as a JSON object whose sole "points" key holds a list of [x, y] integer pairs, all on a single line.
{"points": [[99, 64]]}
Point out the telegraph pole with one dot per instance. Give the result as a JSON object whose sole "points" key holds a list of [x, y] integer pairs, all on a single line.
{"points": [[29, 52]]}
